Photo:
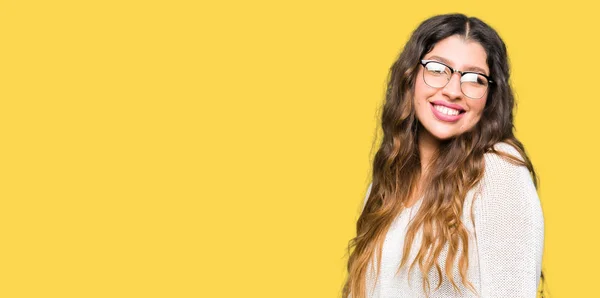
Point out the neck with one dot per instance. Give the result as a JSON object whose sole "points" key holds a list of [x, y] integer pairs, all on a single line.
{"points": [[428, 144]]}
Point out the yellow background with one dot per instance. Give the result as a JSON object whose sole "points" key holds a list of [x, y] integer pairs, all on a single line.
{"points": [[191, 149]]}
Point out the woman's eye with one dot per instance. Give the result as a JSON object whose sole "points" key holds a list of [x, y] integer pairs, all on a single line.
{"points": [[473, 78], [436, 68]]}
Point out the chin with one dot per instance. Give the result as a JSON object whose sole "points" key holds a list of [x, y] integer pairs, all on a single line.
{"points": [[444, 136], [442, 132]]}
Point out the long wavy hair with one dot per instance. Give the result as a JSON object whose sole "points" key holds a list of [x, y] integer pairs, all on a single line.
{"points": [[456, 167]]}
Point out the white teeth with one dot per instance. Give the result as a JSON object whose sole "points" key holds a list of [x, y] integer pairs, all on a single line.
{"points": [[446, 110]]}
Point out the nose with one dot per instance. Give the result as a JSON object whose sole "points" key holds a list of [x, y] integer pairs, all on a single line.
{"points": [[452, 89]]}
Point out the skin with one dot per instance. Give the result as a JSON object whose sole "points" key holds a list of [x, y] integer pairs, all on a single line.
{"points": [[460, 54]]}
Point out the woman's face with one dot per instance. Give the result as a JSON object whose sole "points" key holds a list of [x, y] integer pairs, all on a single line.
{"points": [[440, 121]]}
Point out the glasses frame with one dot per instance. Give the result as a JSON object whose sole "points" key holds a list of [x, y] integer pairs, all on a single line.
{"points": [[452, 71]]}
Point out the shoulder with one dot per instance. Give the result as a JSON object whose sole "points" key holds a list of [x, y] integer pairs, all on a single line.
{"points": [[506, 148], [507, 186], [495, 157], [500, 170]]}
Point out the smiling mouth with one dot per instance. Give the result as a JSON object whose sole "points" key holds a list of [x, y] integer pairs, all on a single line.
{"points": [[446, 110]]}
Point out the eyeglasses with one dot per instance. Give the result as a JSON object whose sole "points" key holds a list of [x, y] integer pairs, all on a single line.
{"points": [[472, 84]]}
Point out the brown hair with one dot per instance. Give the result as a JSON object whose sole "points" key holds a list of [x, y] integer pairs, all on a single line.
{"points": [[456, 167]]}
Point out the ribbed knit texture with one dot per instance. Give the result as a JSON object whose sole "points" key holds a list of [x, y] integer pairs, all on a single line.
{"points": [[506, 240]]}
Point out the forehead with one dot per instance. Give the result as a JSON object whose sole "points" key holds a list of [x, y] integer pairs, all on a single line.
{"points": [[465, 55]]}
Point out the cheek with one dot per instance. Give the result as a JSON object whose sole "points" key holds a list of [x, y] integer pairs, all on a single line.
{"points": [[478, 106], [420, 104], [420, 93], [476, 110]]}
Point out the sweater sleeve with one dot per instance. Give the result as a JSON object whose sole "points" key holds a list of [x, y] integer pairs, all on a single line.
{"points": [[509, 228], [366, 196]]}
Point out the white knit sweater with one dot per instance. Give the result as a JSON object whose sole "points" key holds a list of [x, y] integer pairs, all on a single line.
{"points": [[506, 240]]}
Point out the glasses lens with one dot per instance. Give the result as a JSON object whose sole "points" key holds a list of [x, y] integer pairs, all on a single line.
{"points": [[436, 74], [473, 85]]}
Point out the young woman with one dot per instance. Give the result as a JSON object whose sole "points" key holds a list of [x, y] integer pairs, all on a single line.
{"points": [[452, 210]]}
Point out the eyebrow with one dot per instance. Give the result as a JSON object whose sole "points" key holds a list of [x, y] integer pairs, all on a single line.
{"points": [[467, 68]]}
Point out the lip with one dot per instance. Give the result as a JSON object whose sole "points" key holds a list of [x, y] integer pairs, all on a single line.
{"points": [[449, 105], [443, 117]]}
